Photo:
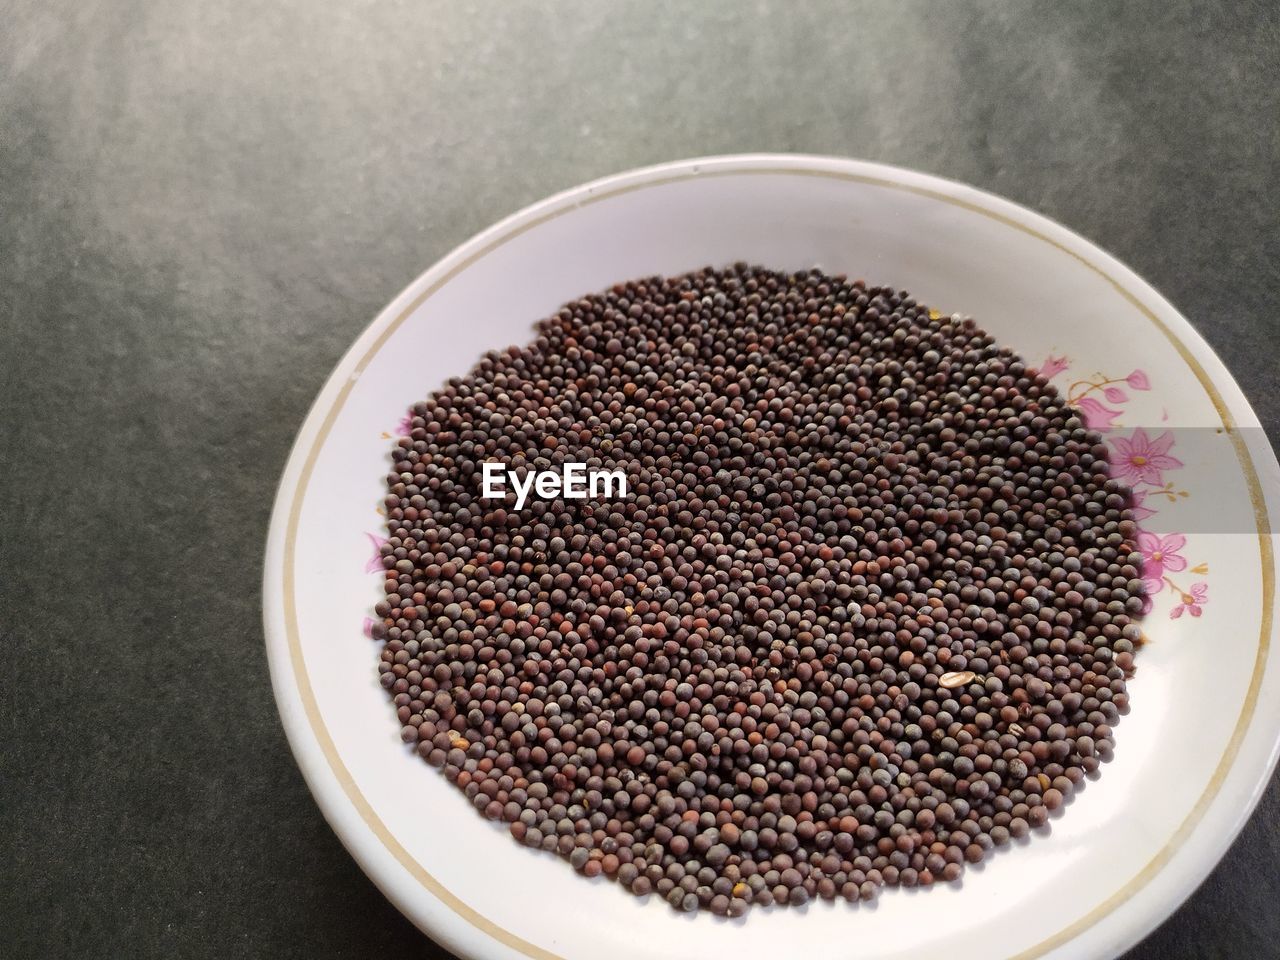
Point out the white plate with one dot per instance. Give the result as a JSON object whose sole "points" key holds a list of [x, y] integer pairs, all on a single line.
{"points": [[1192, 756]]}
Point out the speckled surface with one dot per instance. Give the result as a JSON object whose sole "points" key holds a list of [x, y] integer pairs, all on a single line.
{"points": [[202, 204]]}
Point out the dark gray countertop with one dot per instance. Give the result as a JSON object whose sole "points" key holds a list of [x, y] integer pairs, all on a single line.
{"points": [[201, 204]]}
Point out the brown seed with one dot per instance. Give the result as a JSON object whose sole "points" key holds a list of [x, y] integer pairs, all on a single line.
{"points": [[866, 614]]}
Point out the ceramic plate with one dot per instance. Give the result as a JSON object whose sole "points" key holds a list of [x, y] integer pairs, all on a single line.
{"points": [[1192, 755]]}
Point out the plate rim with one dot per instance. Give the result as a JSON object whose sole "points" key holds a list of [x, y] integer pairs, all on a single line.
{"points": [[445, 917]]}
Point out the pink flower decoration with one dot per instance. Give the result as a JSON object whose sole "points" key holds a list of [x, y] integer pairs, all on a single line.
{"points": [[1149, 590], [1160, 554], [1139, 511], [1143, 459], [1138, 380], [1115, 395], [368, 627], [1096, 416], [1191, 602], [375, 562], [1053, 366], [405, 426]]}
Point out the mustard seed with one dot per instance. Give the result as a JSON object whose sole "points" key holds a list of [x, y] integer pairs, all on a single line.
{"points": [[866, 612]]}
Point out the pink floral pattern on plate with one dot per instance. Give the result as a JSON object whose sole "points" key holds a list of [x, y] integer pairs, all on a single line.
{"points": [[1140, 459], [374, 563], [1191, 601], [1144, 462]]}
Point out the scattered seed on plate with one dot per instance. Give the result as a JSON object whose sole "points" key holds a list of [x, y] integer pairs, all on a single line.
{"points": [[866, 612]]}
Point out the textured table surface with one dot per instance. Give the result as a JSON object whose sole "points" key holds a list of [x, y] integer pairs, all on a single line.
{"points": [[201, 204]]}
